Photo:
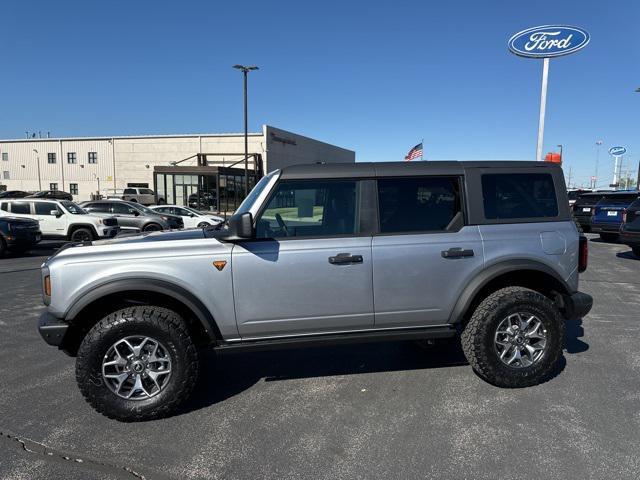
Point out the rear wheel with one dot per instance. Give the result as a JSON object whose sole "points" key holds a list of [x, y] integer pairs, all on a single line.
{"points": [[514, 338], [81, 235], [636, 251], [3, 247], [137, 363]]}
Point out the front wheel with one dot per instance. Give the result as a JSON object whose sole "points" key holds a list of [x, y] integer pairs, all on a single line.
{"points": [[81, 235], [514, 338], [138, 363], [152, 227], [204, 225]]}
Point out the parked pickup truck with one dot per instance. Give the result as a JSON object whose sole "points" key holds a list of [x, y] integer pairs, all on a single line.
{"points": [[483, 251]]}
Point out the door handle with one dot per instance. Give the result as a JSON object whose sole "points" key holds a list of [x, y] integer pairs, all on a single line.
{"points": [[457, 252], [342, 258]]}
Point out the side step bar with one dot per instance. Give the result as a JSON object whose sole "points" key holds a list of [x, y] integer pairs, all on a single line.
{"points": [[340, 338]]}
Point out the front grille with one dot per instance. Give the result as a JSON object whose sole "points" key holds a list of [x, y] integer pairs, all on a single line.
{"points": [[110, 222]]}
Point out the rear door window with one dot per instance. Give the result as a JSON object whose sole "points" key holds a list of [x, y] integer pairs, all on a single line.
{"points": [[22, 208], [519, 195], [45, 208], [423, 204]]}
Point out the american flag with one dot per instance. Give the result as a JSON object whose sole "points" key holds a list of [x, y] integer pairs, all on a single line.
{"points": [[415, 152]]}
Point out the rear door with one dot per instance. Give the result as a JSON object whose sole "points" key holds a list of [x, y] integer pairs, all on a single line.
{"points": [[309, 270], [423, 254]]}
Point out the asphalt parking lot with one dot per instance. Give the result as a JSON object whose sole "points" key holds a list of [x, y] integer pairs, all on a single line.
{"points": [[384, 410]]}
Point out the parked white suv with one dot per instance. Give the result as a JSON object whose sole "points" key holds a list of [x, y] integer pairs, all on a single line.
{"points": [[61, 219], [191, 218]]}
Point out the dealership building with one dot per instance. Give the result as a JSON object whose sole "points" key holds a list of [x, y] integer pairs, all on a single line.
{"points": [[176, 167]]}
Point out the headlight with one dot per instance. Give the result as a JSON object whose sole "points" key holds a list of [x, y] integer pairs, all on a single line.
{"points": [[100, 222]]}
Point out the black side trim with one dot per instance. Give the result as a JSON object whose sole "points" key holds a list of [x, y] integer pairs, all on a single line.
{"points": [[52, 329], [483, 278], [148, 285], [340, 338]]}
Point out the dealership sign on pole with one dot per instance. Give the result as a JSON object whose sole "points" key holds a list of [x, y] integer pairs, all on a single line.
{"points": [[546, 42], [617, 153]]}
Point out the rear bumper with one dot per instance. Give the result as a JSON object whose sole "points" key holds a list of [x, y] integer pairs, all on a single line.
{"points": [[605, 227], [630, 238], [52, 329], [576, 305]]}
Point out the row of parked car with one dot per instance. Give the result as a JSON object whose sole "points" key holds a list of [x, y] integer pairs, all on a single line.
{"points": [[615, 215], [25, 221]]}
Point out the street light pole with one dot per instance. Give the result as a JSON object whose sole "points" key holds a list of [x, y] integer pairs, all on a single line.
{"points": [[38, 163], [595, 181], [245, 70]]}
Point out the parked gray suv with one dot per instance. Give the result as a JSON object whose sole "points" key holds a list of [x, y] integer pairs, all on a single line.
{"points": [[486, 251], [132, 215]]}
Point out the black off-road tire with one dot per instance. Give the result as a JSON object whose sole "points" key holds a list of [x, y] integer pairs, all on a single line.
{"points": [[478, 337], [636, 251], [161, 324]]}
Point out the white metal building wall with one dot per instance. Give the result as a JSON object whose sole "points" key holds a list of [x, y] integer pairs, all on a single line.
{"points": [[123, 160]]}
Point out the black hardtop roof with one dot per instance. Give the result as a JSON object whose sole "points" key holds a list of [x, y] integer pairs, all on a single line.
{"points": [[383, 169]]}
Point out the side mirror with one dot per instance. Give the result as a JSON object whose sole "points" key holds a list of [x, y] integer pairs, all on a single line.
{"points": [[241, 227], [136, 213], [56, 213]]}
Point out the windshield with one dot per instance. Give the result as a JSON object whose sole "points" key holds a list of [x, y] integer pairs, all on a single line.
{"points": [[248, 202], [144, 209], [73, 208], [192, 210]]}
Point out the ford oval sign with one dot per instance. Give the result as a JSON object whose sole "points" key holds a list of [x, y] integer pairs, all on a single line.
{"points": [[617, 151], [548, 41]]}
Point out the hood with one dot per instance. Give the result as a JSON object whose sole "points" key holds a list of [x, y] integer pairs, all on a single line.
{"points": [[153, 237]]}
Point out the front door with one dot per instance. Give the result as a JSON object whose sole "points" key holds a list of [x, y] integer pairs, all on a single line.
{"points": [[50, 224], [308, 271], [424, 254]]}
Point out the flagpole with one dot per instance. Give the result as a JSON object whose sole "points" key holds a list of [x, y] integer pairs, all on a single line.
{"points": [[422, 151]]}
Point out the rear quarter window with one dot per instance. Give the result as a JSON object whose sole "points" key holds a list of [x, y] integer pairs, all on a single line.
{"points": [[519, 196]]}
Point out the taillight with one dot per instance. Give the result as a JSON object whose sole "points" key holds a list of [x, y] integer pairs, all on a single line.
{"points": [[583, 253], [624, 216]]}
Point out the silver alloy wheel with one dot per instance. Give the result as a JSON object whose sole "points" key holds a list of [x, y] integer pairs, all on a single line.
{"points": [[136, 367], [520, 340]]}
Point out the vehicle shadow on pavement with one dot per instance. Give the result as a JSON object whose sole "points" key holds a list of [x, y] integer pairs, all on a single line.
{"points": [[228, 374], [573, 332], [628, 255]]}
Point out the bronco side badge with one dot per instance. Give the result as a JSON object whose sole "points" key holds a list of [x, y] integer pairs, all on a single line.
{"points": [[219, 264]]}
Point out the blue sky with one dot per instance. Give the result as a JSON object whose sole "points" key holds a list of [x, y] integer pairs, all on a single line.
{"points": [[375, 77]]}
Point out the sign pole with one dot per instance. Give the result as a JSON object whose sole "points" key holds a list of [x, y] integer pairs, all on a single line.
{"points": [[543, 107]]}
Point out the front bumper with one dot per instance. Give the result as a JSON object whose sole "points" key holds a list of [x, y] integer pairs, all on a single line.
{"points": [[52, 329], [108, 232], [576, 305], [19, 238]]}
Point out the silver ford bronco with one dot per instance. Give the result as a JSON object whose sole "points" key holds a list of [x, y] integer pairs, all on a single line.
{"points": [[485, 251]]}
